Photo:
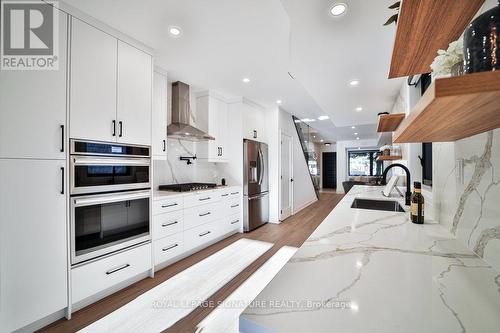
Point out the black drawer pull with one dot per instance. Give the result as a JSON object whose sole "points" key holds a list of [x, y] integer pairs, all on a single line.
{"points": [[204, 233], [164, 145], [234, 206], [234, 193], [114, 127], [235, 221], [62, 180], [169, 247], [117, 269], [169, 205], [204, 214], [225, 195], [204, 199], [169, 224]]}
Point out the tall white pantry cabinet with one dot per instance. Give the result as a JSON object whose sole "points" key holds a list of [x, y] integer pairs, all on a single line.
{"points": [[102, 91], [33, 192]]}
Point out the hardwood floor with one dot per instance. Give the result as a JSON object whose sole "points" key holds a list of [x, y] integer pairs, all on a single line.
{"points": [[293, 232]]}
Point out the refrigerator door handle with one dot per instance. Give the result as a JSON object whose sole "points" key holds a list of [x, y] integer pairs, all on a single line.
{"points": [[260, 196], [261, 166]]}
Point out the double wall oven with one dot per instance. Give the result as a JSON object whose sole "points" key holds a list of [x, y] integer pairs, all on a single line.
{"points": [[110, 193]]}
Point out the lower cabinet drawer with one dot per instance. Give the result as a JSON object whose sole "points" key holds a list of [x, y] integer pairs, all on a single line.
{"points": [[167, 205], [97, 276], [168, 247], [232, 207], [233, 223], [167, 224], [202, 234], [199, 215]]}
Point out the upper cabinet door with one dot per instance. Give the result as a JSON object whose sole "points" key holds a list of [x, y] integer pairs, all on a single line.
{"points": [[159, 126], [222, 128], [33, 108], [134, 95], [93, 83]]}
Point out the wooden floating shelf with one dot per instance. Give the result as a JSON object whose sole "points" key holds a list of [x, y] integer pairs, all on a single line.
{"points": [[454, 108], [389, 122], [424, 27], [389, 158]]}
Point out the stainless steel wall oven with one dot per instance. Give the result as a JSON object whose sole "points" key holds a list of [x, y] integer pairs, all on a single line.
{"points": [[110, 198]]}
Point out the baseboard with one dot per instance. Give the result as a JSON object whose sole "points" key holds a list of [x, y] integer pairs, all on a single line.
{"points": [[295, 211], [41, 323]]}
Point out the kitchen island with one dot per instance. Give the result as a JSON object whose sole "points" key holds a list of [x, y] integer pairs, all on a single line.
{"points": [[374, 271]]}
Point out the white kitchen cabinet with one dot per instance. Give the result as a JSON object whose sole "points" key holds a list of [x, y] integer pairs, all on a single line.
{"points": [[212, 114], [94, 277], [159, 124], [135, 70], [33, 241], [33, 109], [93, 86]]}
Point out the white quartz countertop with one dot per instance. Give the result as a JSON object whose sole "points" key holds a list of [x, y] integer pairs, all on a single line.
{"points": [[375, 271], [160, 195]]}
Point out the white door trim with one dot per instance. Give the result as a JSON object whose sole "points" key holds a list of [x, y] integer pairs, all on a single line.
{"points": [[281, 217]]}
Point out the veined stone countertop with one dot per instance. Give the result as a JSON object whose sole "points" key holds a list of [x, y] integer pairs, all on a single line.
{"points": [[160, 195], [375, 271]]}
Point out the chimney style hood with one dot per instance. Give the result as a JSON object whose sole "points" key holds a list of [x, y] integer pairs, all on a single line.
{"points": [[181, 112]]}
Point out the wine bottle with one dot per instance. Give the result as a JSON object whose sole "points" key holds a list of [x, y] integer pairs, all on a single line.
{"points": [[417, 204]]}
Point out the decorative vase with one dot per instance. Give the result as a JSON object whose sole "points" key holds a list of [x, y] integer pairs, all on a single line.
{"points": [[482, 43]]}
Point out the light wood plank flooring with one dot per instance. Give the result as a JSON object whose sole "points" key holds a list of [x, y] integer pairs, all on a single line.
{"points": [[293, 232]]}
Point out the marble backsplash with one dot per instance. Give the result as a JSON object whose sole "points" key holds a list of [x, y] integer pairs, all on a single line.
{"points": [[173, 170], [466, 190]]}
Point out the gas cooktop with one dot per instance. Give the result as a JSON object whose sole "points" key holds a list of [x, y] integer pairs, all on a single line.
{"points": [[187, 187]]}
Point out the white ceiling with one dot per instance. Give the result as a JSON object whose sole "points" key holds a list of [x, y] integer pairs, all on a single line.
{"points": [[223, 41]]}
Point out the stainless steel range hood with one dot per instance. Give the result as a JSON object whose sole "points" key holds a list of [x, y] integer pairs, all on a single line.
{"points": [[181, 113]]}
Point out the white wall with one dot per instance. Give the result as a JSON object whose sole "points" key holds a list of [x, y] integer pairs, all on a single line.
{"points": [[303, 189], [342, 166]]}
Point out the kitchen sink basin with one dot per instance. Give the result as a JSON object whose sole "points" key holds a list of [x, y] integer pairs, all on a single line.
{"points": [[388, 205]]}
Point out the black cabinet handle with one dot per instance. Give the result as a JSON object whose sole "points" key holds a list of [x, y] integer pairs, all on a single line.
{"points": [[204, 214], [62, 180], [234, 206], [169, 224], [62, 139], [114, 127], [169, 247], [120, 123], [235, 221], [221, 152], [204, 234], [164, 145], [117, 269], [204, 199], [169, 205]]}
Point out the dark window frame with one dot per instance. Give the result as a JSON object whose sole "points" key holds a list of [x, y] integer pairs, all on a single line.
{"points": [[374, 153], [426, 158]]}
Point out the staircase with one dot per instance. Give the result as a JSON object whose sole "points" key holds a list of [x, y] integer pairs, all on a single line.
{"points": [[305, 134]]}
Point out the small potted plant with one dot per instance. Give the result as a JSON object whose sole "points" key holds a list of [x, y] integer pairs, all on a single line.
{"points": [[449, 62], [385, 150]]}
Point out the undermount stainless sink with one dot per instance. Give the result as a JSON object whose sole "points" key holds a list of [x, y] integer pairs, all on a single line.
{"points": [[388, 205]]}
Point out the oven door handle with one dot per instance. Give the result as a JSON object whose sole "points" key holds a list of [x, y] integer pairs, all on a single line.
{"points": [[108, 161], [109, 198]]}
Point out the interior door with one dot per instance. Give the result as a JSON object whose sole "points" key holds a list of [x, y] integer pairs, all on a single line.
{"points": [[286, 176], [329, 170]]}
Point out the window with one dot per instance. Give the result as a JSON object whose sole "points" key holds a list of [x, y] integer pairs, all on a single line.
{"points": [[426, 158], [364, 163]]}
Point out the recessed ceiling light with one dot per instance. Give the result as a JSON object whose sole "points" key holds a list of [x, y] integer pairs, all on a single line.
{"points": [[279, 101], [323, 117], [175, 31], [321, 140], [359, 108], [245, 80], [354, 83], [327, 144], [307, 120], [357, 138], [353, 127], [338, 9], [355, 133]]}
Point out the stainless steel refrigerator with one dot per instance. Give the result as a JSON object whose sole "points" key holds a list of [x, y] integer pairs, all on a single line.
{"points": [[255, 185]]}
